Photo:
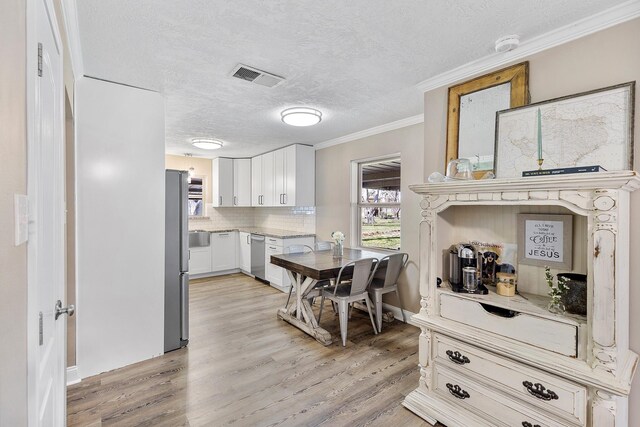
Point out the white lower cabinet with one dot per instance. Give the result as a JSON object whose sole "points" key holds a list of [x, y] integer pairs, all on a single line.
{"points": [[223, 251], [278, 276], [244, 251], [200, 260]]}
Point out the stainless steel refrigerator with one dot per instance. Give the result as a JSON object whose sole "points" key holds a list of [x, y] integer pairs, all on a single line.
{"points": [[176, 264]]}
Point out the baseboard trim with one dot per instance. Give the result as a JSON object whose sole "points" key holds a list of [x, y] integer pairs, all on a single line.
{"points": [[73, 375], [397, 312]]}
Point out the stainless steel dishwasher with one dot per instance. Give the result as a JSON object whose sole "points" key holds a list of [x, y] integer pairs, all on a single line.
{"points": [[257, 256]]}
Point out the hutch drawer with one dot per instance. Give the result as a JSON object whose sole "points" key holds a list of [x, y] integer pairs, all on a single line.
{"points": [[540, 332], [475, 397], [560, 397]]}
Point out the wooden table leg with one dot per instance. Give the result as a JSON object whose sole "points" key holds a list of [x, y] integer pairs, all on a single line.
{"points": [[304, 319]]}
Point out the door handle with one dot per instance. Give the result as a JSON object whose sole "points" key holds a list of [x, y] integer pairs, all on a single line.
{"points": [[220, 200], [284, 199], [248, 242], [235, 200], [70, 310]]}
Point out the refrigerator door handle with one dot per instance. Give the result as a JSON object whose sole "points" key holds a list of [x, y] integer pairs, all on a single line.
{"points": [[184, 306], [184, 224]]}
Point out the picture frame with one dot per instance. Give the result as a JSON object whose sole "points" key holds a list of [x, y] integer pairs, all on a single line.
{"points": [[545, 240], [593, 128], [466, 126]]}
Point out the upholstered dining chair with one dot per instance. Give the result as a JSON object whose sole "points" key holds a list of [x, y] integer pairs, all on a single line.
{"points": [[344, 293], [392, 266]]}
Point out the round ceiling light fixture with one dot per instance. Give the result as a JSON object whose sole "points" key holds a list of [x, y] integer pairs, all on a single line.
{"points": [[206, 144], [301, 116]]}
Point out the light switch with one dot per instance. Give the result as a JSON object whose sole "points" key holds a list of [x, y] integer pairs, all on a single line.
{"points": [[21, 217]]}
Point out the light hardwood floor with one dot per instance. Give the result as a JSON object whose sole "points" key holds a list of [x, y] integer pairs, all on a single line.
{"points": [[245, 367]]}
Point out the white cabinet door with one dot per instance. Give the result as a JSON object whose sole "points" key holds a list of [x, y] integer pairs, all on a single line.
{"points": [[244, 252], [289, 171], [273, 273], [199, 260], [242, 182], [278, 177], [256, 181], [223, 251], [222, 182], [268, 190]]}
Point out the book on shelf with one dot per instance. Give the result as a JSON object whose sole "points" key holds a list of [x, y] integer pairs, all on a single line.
{"points": [[563, 171]]}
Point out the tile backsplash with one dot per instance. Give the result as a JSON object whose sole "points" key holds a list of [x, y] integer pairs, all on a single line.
{"points": [[294, 219]]}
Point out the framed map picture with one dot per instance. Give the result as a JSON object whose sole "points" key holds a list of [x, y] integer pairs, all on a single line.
{"points": [[545, 240], [588, 129]]}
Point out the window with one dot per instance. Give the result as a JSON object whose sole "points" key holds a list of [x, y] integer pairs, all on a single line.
{"points": [[378, 205]]}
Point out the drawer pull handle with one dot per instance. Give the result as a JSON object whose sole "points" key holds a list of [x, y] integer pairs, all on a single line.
{"points": [[539, 391], [528, 424], [457, 357], [457, 391]]}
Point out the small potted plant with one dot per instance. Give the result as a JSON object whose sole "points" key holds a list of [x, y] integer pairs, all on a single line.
{"points": [[555, 291]]}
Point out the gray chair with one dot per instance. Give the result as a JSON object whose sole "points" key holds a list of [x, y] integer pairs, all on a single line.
{"points": [[295, 249], [323, 246], [346, 293], [391, 266]]}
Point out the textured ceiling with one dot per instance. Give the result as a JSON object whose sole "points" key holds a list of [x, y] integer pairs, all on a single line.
{"points": [[357, 61]]}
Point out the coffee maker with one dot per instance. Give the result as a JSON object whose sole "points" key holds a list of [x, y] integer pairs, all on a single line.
{"points": [[461, 256]]}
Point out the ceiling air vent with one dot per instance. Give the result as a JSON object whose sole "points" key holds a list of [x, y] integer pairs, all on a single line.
{"points": [[254, 75]]}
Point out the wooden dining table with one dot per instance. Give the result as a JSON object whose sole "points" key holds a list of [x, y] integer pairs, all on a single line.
{"points": [[305, 270]]}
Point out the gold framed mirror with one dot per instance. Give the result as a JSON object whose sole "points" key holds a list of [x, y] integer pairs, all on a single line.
{"points": [[471, 114]]}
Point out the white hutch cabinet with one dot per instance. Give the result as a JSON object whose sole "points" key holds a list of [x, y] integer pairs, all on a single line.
{"points": [[488, 360]]}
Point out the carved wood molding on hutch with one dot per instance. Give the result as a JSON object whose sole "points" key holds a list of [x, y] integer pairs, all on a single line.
{"points": [[532, 367]]}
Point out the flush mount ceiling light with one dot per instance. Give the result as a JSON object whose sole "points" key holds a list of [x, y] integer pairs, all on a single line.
{"points": [[301, 116], [206, 144]]}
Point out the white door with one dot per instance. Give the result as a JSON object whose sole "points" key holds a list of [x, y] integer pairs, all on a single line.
{"points": [[45, 176]]}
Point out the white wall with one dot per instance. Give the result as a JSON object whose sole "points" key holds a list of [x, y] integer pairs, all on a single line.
{"points": [[13, 179], [120, 225], [333, 196]]}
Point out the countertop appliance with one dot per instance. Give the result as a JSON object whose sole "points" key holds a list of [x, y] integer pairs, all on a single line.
{"points": [[176, 264], [257, 256]]}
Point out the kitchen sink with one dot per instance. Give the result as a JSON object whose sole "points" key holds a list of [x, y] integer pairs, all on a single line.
{"points": [[199, 238]]}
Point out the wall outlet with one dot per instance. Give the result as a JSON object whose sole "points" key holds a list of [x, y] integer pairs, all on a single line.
{"points": [[21, 218]]}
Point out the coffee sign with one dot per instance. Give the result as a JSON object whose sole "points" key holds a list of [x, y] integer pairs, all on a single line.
{"points": [[545, 240]]}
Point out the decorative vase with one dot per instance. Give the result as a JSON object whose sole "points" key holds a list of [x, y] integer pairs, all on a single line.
{"points": [[575, 297], [338, 249], [556, 306]]}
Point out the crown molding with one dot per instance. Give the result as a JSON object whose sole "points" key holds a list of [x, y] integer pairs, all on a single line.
{"points": [[70, 12], [413, 120], [592, 24]]}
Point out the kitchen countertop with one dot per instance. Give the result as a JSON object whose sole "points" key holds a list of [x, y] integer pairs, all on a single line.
{"points": [[270, 232]]}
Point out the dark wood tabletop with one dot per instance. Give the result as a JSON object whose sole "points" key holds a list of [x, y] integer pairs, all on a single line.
{"points": [[321, 265]]}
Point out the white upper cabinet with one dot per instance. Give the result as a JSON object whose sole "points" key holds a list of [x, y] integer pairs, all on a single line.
{"points": [[242, 182], [267, 179], [256, 181], [284, 177], [222, 182], [262, 169]]}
